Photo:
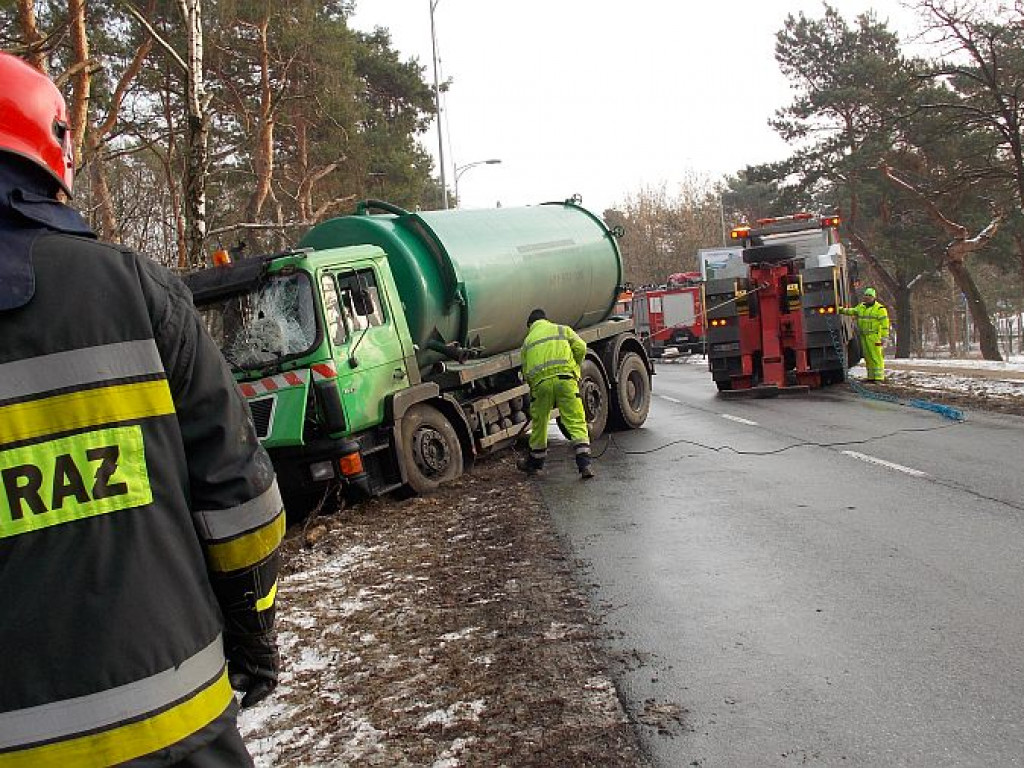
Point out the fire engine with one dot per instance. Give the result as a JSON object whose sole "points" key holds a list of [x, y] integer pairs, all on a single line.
{"points": [[771, 308], [671, 316]]}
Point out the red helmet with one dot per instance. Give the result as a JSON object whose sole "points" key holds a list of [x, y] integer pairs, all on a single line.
{"points": [[34, 120]]}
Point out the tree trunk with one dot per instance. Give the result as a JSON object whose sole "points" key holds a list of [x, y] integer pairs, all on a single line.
{"points": [[1018, 240], [82, 79], [102, 200], [263, 152], [904, 322], [197, 153], [30, 35], [987, 335]]}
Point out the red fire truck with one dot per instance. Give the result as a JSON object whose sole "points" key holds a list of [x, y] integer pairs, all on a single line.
{"points": [[671, 315], [771, 308]]}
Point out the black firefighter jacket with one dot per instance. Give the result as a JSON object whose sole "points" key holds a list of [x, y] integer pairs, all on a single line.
{"points": [[139, 516]]}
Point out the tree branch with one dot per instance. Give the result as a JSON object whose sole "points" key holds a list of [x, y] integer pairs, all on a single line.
{"points": [[174, 56], [956, 231]]}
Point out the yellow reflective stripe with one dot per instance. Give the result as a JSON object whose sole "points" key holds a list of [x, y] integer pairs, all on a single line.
{"points": [[72, 478], [128, 742], [246, 550], [267, 601], [89, 408], [532, 344]]}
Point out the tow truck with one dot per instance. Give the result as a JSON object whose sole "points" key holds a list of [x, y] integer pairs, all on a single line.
{"points": [[771, 308]]}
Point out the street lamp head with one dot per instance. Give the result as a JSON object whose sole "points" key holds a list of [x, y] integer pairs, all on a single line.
{"points": [[461, 169]]}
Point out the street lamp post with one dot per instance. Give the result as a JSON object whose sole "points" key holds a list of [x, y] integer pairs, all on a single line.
{"points": [[437, 107], [461, 169]]}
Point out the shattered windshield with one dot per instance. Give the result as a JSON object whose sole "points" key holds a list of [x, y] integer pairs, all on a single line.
{"points": [[260, 328]]}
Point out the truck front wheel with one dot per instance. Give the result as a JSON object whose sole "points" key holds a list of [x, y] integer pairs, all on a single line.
{"points": [[431, 451]]}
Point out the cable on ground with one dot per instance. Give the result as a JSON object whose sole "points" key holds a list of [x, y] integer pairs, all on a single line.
{"points": [[610, 441]]}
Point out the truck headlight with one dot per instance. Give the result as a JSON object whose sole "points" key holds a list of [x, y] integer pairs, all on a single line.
{"points": [[321, 470]]}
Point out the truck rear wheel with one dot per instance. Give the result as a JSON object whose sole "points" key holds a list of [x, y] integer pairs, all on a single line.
{"points": [[431, 451], [631, 395], [594, 393]]}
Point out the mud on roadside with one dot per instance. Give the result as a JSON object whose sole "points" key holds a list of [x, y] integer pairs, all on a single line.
{"points": [[441, 631], [962, 399]]}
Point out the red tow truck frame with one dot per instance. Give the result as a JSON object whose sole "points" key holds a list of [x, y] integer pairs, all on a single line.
{"points": [[776, 329]]}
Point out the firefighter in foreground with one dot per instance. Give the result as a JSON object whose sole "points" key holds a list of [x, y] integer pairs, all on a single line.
{"points": [[551, 358], [139, 516], [873, 324]]}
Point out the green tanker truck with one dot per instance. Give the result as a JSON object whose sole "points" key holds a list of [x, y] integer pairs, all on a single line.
{"points": [[383, 352]]}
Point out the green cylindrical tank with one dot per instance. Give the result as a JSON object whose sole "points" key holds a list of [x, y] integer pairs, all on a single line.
{"points": [[473, 276]]}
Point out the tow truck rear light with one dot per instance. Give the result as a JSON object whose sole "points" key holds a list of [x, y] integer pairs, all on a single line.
{"points": [[718, 322], [739, 233], [829, 222], [221, 258], [826, 310]]}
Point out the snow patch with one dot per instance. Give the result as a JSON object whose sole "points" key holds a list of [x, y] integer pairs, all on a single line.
{"points": [[462, 634], [459, 711]]}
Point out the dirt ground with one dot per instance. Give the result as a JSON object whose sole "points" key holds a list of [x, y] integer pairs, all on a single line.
{"points": [[439, 631]]}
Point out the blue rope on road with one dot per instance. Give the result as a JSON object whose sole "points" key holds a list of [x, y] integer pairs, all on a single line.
{"points": [[947, 411]]}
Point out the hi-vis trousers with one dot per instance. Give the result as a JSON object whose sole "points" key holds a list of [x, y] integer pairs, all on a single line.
{"points": [[561, 392]]}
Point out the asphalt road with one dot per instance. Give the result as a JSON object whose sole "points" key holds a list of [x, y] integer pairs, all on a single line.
{"points": [[853, 604]]}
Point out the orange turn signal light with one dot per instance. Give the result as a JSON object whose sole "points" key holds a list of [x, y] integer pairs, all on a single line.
{"points": [[351, 464], [221, 258]]}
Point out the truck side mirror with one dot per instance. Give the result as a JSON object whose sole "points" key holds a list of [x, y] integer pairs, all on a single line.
{"points": [[362, 302]]}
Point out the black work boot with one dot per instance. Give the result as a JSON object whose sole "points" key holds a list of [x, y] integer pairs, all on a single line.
{"points": [[583, 465], [531, 465]]}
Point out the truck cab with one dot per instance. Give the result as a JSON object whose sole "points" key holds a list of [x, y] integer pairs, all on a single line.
{"points": [[319, 345]]}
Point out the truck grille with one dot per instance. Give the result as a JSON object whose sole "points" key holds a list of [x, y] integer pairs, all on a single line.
{"points": [[263, 415]]}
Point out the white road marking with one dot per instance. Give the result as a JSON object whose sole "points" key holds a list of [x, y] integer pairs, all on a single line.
{"points": [[670, 399], [740, 419], [884, 463]]}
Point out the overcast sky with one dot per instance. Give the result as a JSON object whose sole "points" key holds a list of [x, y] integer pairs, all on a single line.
{"points": [[601, 97]]}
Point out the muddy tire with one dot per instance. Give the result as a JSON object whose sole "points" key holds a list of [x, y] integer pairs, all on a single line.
{"points": [[594, 393], [431, 452], [631, 393]]}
